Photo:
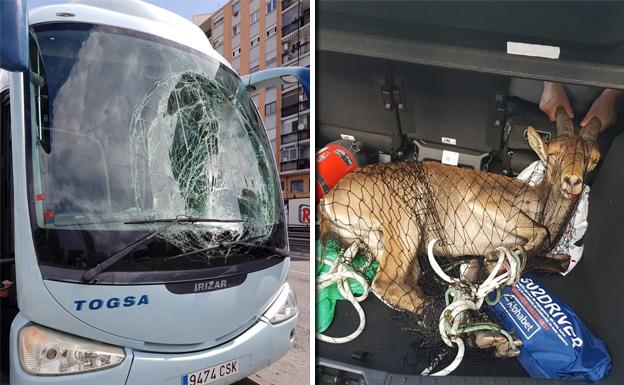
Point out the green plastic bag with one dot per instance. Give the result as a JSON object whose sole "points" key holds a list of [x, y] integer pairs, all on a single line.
{"points": [[326, 298]]}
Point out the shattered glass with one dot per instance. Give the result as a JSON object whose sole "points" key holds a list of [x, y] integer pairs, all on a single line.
{"points": [[130, 128], [202, 130]]}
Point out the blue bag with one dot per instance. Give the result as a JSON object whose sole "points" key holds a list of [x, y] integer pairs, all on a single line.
{"points": [[556, 344]]}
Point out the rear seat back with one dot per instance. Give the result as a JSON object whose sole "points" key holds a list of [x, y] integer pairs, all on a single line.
{"points": [[349, 100], [459, 105]]}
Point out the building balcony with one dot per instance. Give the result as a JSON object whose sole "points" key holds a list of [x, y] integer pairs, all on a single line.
{"points": [[287, 4], [296, 136], [295, 108], [300, 22], [295, 165], [303, 61], [296, 53]]}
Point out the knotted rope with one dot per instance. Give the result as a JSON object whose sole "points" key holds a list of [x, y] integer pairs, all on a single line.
{"points": [[340, 272], [461, 298]]}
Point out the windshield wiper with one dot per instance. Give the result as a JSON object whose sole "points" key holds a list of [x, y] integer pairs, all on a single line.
{"points": [[108, 262], [184, 220], [227, 245]]}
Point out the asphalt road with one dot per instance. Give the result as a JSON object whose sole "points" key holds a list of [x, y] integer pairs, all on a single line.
{"points": [[294, 367]]}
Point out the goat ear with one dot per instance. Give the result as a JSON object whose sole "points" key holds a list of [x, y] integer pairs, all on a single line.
{"points": [[537, 144]]}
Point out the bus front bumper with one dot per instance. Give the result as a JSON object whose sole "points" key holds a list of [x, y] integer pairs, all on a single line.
{"points": [[256, 348]]}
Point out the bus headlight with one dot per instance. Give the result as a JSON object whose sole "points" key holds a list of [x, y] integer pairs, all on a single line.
{"points": [[284, 306], [43, 351]]}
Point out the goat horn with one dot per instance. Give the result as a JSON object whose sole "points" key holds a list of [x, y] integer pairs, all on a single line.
{"points": [[590, 132], [564, 123]]}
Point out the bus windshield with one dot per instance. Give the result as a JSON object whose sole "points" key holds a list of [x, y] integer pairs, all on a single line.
{"points": [[127, 129]]}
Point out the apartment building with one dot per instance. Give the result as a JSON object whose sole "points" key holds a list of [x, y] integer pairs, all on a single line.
{"points": [[259, 34]]}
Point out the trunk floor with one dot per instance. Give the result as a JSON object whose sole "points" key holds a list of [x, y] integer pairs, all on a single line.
{"points": [[391, 349], [394, 350]]}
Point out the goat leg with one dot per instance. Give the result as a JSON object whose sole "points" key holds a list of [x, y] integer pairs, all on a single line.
{"points": [[396, 281], [489, 339], [557, 263]]}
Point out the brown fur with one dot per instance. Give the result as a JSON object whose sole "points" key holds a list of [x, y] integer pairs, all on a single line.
{"points": [[385, 207]]}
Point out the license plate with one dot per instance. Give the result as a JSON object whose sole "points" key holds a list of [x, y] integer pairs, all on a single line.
{"points": [[208, 375]]}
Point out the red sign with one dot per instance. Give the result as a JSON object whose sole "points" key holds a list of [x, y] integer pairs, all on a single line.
{"points": [[304, 213]]}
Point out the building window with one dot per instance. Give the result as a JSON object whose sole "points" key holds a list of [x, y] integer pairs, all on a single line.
{"points": [[254, 65], [236, 8], [303, 121], [270, 58], [236, 52], [289, 153], [218, 22], [271, 5], [296, 185], [271, 31], [254, 17], [282, 184], [270, 109], [270, 61], [304, 151], [236, 29], [255, 41], [290, 17]]}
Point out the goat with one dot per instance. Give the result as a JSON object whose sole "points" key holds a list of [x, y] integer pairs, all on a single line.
{"points": [[395, 209]]}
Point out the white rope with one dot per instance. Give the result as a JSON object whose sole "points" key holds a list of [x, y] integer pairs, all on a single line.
{"points": [[339, 273], [454, 315]]}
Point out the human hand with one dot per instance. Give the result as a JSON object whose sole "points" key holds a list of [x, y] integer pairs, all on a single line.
{"points": [[603, 108], [6, 291], [554, 95]]}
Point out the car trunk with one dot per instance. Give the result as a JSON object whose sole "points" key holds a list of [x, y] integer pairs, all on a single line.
{"points": [[444, 72]]}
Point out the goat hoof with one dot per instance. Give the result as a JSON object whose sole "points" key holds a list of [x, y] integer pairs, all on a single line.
{"points": [[504, 351], [493, 256], [563, 259], [498, 342]]}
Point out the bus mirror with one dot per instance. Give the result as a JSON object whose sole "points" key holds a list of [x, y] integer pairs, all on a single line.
{"points": [[14, 35], [278, 76]]}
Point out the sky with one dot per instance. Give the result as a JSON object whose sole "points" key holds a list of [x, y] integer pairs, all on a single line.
{"points": [[185, 8]]}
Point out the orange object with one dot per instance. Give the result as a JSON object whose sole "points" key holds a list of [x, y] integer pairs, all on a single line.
{"points": [[333, 162]]}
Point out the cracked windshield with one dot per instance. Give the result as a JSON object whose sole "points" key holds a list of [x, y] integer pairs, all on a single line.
{"points": [[132, 129]]}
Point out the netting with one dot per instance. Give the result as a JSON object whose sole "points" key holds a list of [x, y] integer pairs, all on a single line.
{"points": [[392, 211]]}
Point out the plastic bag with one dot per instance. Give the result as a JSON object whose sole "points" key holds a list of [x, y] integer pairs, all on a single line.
{"points": [[533, 174], [326, 298], [555, 342]]}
